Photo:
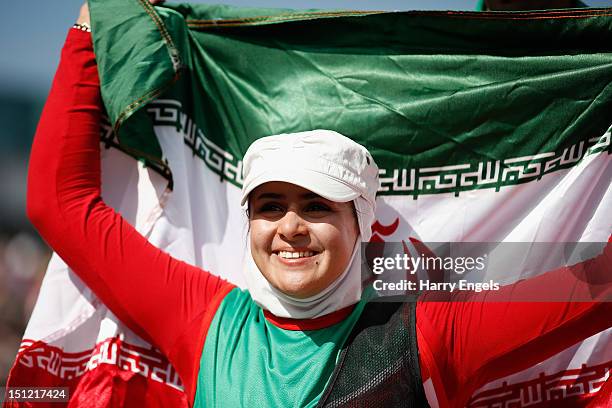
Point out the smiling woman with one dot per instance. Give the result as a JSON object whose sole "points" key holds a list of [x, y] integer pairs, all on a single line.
{"points": [[311, 201], [300, 241], [301, 335]]}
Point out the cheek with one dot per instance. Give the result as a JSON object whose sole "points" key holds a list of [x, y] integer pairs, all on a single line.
{"points": [[259, 246], [340, 240], [261, 235], [350, 233]]}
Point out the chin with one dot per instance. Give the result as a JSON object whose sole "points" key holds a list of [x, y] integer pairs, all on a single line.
{"points": [[300, 290]]}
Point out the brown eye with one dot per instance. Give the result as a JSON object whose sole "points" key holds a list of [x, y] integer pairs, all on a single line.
{"points": [[317, 207], [270, 207]]}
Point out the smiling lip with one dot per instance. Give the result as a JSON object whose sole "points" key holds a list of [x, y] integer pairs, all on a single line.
{"points": [[296, 261]]}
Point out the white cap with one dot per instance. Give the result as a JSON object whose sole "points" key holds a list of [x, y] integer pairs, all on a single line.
{"points": [[322, 161]]}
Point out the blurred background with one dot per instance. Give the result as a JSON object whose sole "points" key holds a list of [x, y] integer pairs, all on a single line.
{"points": [[31, 37]]}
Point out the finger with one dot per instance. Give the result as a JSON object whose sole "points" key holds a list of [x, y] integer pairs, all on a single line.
{"points": [[83, 15]]}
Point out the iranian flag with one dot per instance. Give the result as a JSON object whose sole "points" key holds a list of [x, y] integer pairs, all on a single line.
{"points": [[487, 127]]}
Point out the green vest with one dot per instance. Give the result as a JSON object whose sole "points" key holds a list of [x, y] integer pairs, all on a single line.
{"points": [[249, 362]]}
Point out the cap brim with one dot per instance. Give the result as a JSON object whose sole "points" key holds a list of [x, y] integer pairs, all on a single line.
{"points": [[321, 184]]}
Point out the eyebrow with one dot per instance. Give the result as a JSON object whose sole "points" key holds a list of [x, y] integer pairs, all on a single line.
{"points": [[275, 196]]}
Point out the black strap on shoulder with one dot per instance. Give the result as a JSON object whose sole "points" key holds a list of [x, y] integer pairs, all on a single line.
{"points": [[379, 363]]}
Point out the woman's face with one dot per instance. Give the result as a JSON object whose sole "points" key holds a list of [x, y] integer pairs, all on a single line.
{"points": [[300, 241]]}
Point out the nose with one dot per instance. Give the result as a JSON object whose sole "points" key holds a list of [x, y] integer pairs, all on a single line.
{"points": [[292, 226]]}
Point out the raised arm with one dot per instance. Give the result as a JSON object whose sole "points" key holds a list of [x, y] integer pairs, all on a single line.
{"points": [[162, 299], [484, 336]]}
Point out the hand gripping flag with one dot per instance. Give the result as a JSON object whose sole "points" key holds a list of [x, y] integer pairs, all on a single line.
{"points": [[487, 127]]}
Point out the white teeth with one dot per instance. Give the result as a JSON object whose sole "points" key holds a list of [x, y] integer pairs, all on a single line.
{"points": [[294, 255]]}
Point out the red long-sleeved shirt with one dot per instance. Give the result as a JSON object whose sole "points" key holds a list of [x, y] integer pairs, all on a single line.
{"points": [[462, 345]]}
